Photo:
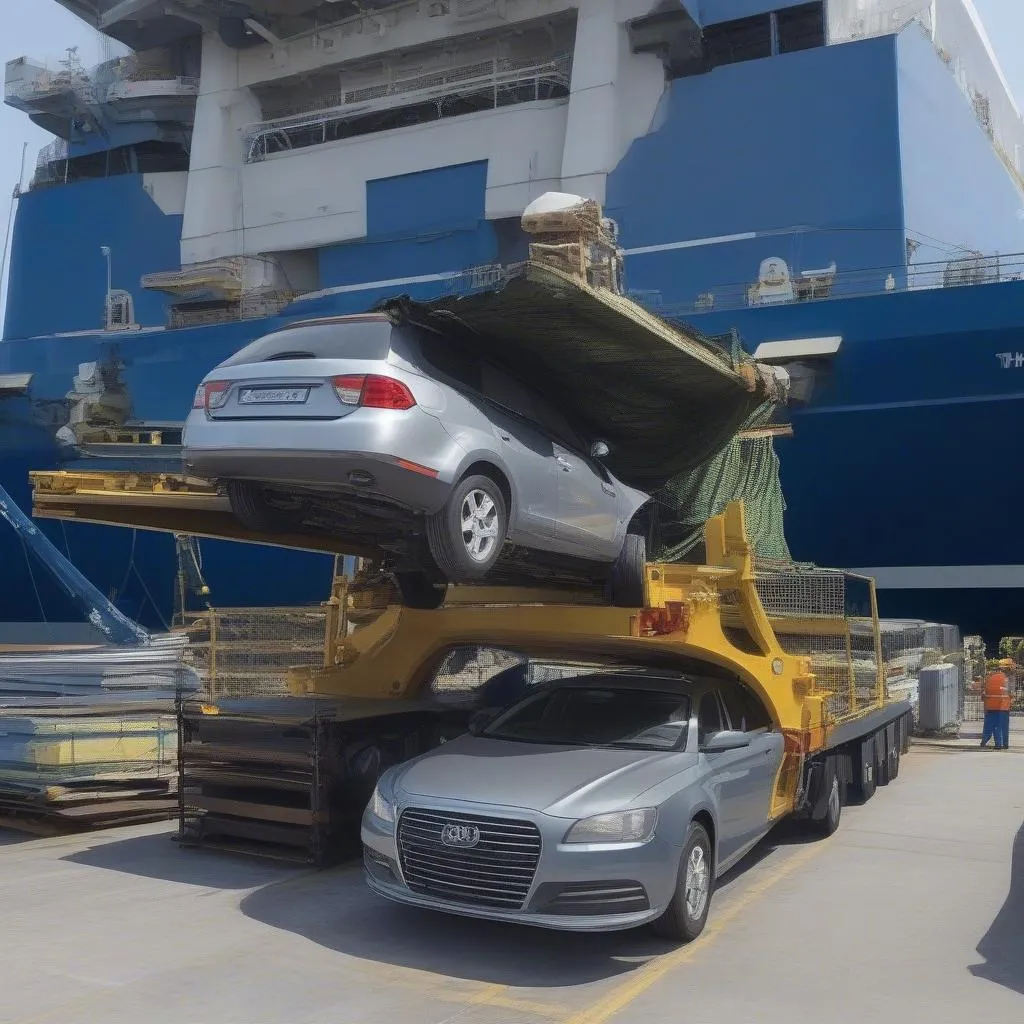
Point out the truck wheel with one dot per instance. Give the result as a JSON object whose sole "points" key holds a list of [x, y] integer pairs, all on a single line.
{"points": [[626, 584], [881, 760], [419, 590], [686, 914], [467, 535], [864, 787], [894, 763], [250, 507], [827, 825]]}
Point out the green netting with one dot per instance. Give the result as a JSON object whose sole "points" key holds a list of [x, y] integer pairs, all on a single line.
{"points": [[747, 468]]}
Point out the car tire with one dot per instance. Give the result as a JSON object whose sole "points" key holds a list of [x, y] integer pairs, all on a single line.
{"points": [[626, 584], [420, 590], [829, 823], [451, 547], [251, 509], [686, 914]]}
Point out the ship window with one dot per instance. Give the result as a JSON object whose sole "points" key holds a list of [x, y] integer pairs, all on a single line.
{"points": [[733, 41], [763, 35], [801, 28]]}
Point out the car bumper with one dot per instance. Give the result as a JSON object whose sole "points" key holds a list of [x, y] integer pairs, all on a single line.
{"points": [[353, 454], [350, 473], [650, 869]]}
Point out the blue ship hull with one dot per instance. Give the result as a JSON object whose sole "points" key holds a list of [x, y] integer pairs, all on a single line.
{"points": [[904, 458], [858, 156]]}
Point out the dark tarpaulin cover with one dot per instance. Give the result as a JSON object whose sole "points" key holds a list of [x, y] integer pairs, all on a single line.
{"points": [[665, 400]]}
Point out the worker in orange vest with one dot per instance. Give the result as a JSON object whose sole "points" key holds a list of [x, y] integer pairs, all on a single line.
{"points": [[997, 706]]}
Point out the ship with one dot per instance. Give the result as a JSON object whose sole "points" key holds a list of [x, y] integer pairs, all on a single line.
{"points": [[838, 182]]}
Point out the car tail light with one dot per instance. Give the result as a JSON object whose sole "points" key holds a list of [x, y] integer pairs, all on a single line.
{"points": [[373, 392], [211, 395], [349, 389]]}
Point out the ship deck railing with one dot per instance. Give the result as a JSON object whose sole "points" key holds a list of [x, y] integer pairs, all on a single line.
{"points": [[437, 86]]}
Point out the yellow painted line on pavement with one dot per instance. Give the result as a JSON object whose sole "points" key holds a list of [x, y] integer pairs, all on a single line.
{"points": [[623, 995]]}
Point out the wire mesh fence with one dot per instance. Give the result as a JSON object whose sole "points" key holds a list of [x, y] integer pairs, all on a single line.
{"points": [[978, 663], [858, 659], [247, 652]]}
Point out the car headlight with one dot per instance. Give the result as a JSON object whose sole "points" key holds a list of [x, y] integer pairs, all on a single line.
{"points": [[381, 808], [618, 827]]}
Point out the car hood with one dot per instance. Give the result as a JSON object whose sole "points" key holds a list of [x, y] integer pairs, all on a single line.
{"points": [[561, 780]]}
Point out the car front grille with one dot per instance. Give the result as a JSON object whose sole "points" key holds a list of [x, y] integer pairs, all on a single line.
{"points": [[497, 872]]}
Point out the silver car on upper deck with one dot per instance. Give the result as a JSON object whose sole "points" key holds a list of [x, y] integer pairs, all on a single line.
{"points": [[416, 444], [599, 802]]}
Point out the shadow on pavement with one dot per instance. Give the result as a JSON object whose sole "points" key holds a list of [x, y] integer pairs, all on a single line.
{"points": [[336, 910], [11, 837], [158, 856], [1003, 943]]}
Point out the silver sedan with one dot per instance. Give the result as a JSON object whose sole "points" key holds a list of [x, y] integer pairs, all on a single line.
{"points": [[411, 441], [600, 802]]}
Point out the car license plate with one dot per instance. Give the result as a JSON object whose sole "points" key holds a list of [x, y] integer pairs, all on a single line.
{"points": [[273, 396]]}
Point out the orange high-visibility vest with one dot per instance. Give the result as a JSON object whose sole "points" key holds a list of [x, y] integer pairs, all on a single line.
{"points": [[997, 692]]}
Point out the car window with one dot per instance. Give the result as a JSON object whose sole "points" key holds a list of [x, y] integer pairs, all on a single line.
{"points": [[341, 339], [508, 392], [598, 716], [453, 359], [556, 425], [745, 711], [709, 717]]}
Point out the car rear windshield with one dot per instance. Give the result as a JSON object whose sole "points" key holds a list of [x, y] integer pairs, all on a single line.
{"points": [[598, 716], [344, 339]]}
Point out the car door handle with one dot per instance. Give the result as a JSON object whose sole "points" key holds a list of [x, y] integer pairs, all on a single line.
{"points": [[505, 437]]}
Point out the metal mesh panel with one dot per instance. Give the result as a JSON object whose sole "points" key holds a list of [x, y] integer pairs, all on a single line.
{"points": [[802, 592], [246, 652], [976, 666], [465, 670], [463, 676], [858, 660]]}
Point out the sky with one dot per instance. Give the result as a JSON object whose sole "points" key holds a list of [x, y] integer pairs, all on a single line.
{"points": [[43, 29]]}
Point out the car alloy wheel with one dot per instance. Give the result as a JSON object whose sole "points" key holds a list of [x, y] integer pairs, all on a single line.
{"points": [[466, 537], [480, 524], [697, 883], [687, 912]]}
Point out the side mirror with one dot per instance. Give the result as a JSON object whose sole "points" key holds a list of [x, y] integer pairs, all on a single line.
{"points": [[479, 720], [725, 740], [599, 450]]}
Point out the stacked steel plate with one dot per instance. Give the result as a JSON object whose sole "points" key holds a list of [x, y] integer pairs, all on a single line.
{"points": [[89, 737]]}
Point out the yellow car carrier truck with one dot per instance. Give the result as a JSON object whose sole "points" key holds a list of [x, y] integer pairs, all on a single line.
{"points": [[291, 774]]}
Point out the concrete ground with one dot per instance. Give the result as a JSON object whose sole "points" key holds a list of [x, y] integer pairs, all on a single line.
{"points": [[914, 911]]}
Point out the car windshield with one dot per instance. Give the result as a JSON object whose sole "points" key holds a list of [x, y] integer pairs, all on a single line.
{"points": [[342, 339], [597, 716]]}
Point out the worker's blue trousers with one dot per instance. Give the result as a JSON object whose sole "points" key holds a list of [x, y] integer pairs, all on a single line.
{"points": [[996, 727]]}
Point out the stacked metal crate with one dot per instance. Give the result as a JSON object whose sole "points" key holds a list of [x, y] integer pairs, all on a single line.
{"points": [[88, 737]]}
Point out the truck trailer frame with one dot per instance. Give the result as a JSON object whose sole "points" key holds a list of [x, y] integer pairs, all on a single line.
{"points": [[291, 775]]}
